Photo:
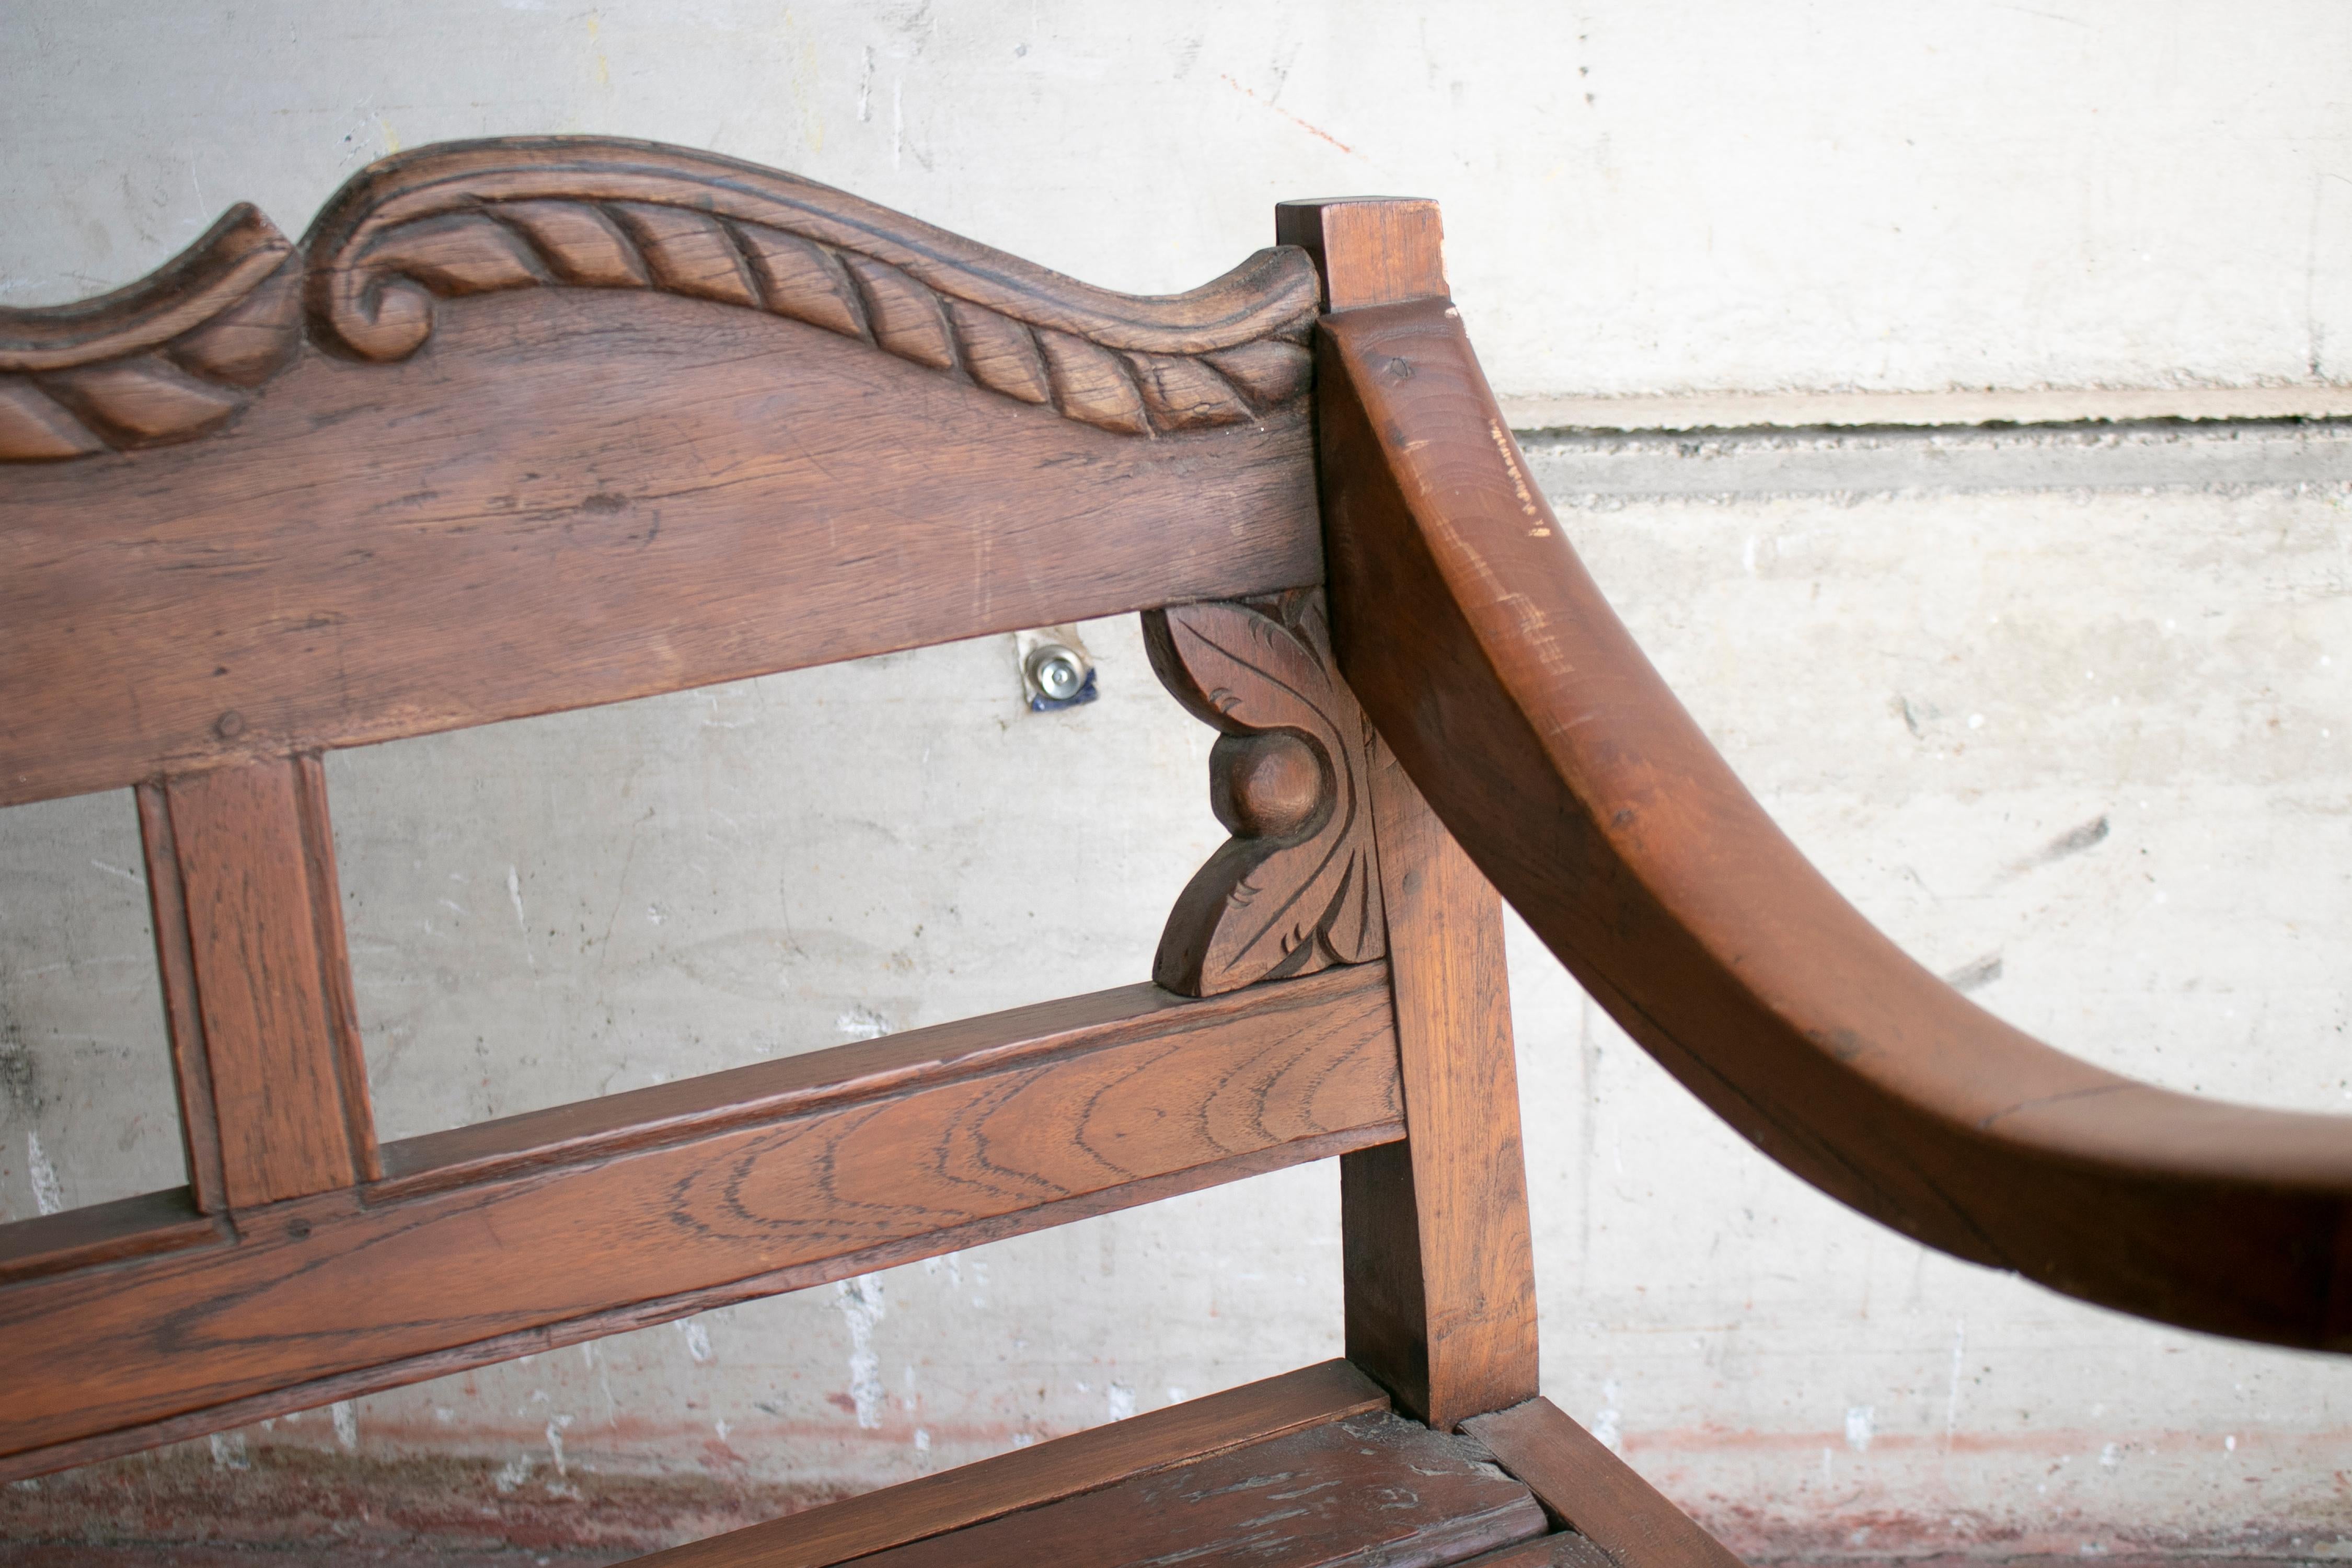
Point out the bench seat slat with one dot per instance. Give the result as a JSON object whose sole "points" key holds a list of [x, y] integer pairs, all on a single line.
{"points": [[1027, 1478], [1370, 1491], [1306, 1470]]}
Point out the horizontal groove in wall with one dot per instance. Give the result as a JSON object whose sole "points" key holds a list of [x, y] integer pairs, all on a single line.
{"points": [[1589, 467], [2057, 406]]}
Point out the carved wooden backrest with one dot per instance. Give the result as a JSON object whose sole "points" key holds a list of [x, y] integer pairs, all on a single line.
{"points": [[527, 426]]}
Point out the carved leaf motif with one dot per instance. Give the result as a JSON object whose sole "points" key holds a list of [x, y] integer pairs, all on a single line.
{"points": [[805, 281], [1001, 354], [689, 252], [164, 360], [473, 218], [1182, 392], [1090, 384], [179, 353], [458, 253], [1271, 371], [1295, 889], [251, 340], [34, 427], [907, 317], [581, 245], [143, 400]]}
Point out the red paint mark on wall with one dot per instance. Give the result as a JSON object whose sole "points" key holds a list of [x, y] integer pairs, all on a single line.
{"points": [[1303, 125]]}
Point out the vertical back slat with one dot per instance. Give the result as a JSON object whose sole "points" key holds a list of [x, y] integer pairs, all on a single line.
{"points": [[192, 1078], [263, 978], [335, 963]]}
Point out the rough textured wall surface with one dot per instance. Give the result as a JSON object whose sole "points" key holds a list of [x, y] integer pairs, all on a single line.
{"points": [[2083, 752], [2062, 710]]}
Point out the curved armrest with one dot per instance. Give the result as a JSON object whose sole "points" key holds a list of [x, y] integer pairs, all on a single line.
{"points": [[1519, 703]]}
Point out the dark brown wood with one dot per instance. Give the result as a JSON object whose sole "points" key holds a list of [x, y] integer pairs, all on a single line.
{"points": [[1368, 1491], [104, 1233], [192, 1080], [534, 424], [938, 1143], [1440, 1269], [288, 1086], [816, 1080], [1592, 1492], [337, 997], [1048, 1472], [168, 358], [392, 1374], [1547, 742], [1294, 890], [1563, 1549], [1368, 251], [602, 419], [474, 217], [572, 498]]}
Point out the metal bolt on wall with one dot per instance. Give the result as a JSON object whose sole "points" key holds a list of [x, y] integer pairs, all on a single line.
{"points": [[1056, 671]]}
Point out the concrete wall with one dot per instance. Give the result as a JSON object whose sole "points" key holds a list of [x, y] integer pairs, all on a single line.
{"points": [[1684, 195], [2057, 707]]}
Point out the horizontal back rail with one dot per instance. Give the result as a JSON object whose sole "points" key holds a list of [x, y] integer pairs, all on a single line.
{"points": [[533, 426], [738, 1184]]}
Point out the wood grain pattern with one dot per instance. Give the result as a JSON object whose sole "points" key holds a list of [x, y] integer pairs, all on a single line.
{"points": [[176, 354], [1594, 1492], [1368, 251], [315, 1393], [577, 497], [815, 1080], [1048, 1472], [1366, 1491], [168, 358], [1563, 1549], [336, 996], [192, 1078], [1294, 890], [104, 1233], [288, 1087], [1034, 1129], [473, 218], [1440, 1270], [1550, 746], [1439, 1266]]}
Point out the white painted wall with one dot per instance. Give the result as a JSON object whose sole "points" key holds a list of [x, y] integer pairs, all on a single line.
{"points": [[1750, 200], [1691, 193]]}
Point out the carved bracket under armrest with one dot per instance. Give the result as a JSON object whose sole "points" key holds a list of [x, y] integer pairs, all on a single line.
{"points": [[1295, 888]]}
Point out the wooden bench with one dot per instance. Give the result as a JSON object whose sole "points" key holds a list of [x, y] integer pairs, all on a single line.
{"points": [[531, 424]]}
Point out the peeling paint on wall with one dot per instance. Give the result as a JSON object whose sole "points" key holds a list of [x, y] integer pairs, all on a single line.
{"points": [[49, 1196], [861, 1304]]}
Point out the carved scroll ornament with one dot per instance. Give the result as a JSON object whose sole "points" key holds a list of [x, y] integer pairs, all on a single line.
{"points": [[179, 353], [1295, 888], [167, 358]]}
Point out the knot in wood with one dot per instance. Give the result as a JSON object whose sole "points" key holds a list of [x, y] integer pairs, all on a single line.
{"points": [[1267, 786]]}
